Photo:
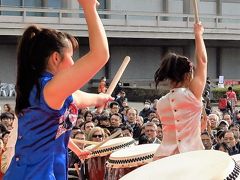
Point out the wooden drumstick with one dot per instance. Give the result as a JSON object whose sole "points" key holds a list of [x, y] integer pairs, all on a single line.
{"points": [[77, 169], [85, 141], [195, 5], [106, 140], [116, 79], [118, 75]]}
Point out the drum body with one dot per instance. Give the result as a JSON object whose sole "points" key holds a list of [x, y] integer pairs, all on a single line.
{"points": [[97, 161], [126, 160], [117, 173], [96, 167], [194, 165]]}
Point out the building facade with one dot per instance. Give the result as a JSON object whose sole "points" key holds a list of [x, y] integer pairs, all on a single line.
{"points": [[143, 30]]}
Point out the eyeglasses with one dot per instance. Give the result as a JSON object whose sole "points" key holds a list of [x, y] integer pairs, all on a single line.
{"points": [[97, 136]]}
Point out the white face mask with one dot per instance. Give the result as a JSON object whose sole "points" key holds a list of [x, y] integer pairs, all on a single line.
{"points": [[146, 106]]}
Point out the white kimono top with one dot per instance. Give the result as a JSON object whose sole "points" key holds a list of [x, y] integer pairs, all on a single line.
{"points": [[180, 114]]}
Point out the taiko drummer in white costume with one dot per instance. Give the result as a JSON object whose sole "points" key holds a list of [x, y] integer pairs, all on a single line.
{"points": [[180, 110]]}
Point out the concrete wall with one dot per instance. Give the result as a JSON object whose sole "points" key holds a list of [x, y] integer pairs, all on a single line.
{"points": [[230, 63], [136, 5], [145, 59], [7, 63], [208, 7], [231, 8], [212, 62]]}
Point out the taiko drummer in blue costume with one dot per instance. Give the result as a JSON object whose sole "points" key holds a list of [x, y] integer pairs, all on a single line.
{"points": [[48, 96]]}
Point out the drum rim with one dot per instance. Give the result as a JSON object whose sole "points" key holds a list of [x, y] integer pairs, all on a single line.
{"points": [[235, 173], [124, 163], [102, 152]]}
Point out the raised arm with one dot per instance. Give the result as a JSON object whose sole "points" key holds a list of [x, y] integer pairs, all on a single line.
{"points": [[198, 83], [71, 79]]}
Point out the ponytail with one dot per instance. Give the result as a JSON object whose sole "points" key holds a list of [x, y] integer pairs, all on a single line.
{"points": [[25, 70], [173, 67]]}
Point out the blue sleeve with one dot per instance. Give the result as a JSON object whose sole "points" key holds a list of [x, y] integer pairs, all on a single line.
{"points": [[45, 106]]}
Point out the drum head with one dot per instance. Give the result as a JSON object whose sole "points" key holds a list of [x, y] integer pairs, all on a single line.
{"points": [[132, 156], [195, 165], [111, 146]]}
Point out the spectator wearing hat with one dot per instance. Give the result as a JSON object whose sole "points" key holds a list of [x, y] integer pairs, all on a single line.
{"points": [[223, 125]]}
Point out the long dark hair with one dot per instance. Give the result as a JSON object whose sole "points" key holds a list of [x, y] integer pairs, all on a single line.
{"points": [[173, 67], [34, 49]]}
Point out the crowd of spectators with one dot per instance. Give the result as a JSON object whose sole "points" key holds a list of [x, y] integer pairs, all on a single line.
{"points": [[223, 123], [7, 119], [222, 132]]}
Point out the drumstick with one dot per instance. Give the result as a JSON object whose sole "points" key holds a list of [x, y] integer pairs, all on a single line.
{"points": [[116, 79], [85, 141], [106, 140], [77, 169], [195, 5]]}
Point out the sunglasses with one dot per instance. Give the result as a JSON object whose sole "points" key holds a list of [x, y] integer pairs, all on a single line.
{"points": [[97, 136]]}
